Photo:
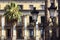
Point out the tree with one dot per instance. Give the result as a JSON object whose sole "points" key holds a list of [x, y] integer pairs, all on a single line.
{"points": [[12, 13]]}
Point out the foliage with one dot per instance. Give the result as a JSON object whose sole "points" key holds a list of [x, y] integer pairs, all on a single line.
{"points": [[12, 12]]}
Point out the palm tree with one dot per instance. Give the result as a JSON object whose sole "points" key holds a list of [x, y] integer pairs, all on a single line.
{"points": [[12, 13]]}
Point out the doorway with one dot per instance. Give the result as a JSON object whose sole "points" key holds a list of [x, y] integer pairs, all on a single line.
{"points": [[8, 33], [31, 33], [19, 34]]}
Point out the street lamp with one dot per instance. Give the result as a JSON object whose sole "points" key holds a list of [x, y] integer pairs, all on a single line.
{"points": [[34, 13], [52, 9]]}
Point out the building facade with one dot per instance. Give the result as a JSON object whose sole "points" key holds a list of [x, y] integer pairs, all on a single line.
{"points": [[26, 29]]}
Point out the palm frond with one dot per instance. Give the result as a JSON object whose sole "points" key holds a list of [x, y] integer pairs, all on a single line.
{"points": [[12, 12]]}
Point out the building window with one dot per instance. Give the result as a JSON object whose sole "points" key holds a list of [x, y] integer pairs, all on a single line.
{"points": [[20, 6], [42, 19], [19, 33], [43, 7], [42, 1], [31, 33], [30, 19], [8, 33], [42, 26], [51, 1], [42, 32], [20, 22], [31, 7]]}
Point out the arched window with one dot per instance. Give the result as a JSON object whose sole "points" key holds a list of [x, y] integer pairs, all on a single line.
{"points": [[31, 7]]}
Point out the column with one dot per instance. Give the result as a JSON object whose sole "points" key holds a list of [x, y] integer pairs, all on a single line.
{"points": [[14, 32], [28, 24], [39, 18], [3, 24], [37, 32], [57, 32], [39, 21], [55, 2], [48, 13], [25, 28], [56, 20], [27, 19], [57, 29]]}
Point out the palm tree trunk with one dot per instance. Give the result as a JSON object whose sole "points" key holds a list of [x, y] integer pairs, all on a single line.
{"points": [[14, 31]]}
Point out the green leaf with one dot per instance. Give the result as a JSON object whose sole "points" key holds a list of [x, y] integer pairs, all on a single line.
{"points": [[12, 12]]}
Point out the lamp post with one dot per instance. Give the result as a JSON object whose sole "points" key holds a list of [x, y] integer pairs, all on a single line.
{"points": [[52, 9], [34, 13]]}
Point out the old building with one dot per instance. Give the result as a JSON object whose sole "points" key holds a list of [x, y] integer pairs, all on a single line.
{"points": [[26, 28]]}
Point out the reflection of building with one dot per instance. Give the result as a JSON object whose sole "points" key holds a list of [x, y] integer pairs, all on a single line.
{"points": [[26, 7]]}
